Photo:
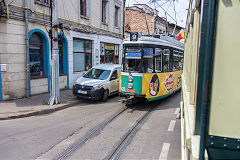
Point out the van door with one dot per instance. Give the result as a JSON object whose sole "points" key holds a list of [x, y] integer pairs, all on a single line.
{"points": [[114, 80]]}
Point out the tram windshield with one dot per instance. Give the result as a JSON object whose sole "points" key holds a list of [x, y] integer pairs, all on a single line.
{"points": [[133, 59]]}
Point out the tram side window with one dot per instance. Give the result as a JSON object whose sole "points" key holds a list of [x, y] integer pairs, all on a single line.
{"points": [[166, 60], [175, 60], [158, 60], [148, 60], [180, 60]]}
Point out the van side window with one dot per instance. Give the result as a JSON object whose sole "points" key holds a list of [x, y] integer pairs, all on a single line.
{"points": [[114, 75]]}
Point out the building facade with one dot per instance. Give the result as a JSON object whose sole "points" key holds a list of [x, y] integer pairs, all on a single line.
{"points": [[142, 18], [91, 34]]}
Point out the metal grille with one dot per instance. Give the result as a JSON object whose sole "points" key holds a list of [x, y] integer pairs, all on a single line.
{"points": [[83, 87]]}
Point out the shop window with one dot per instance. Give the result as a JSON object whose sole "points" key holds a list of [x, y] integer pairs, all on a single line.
{"points": [[36, 56], [109, 53], [82, 55]]}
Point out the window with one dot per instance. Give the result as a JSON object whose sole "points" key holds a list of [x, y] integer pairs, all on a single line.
{"points": [[43, 1], [109, 53], [104, 11], [132, 60], [166, 60], [82, 55], [180, 60], [61, 58], [148, 60], [114, 75], [97, 74], [83, 8], [36, 56], [117, 16], [175, 60], [158, 60]]}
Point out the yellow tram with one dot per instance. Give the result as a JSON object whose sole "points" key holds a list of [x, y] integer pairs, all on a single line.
{"points": [[152, 67]]}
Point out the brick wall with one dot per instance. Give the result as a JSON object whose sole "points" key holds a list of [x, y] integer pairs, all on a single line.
{"points": [[135, 21]]}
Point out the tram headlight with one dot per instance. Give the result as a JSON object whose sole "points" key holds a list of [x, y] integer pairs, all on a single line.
{"points": [[130, 79], [130, 85]]}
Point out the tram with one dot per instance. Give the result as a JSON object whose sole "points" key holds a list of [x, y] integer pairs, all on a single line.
{"points": [[211, 81], [152, 67]]}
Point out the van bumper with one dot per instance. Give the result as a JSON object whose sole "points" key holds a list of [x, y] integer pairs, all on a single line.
{"points": [[93, 94]]}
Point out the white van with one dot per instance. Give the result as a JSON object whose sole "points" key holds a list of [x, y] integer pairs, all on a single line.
{"points": [[98, 83]]}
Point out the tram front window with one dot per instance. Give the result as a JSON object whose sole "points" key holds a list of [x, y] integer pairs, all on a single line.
{"points": [[133, 59], [132, 65]]}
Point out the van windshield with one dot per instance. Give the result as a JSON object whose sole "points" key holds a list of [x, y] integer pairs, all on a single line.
{"points": [[97, 74]]}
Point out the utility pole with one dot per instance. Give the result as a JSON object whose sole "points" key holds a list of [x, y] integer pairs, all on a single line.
{"points": [[54, 63]]}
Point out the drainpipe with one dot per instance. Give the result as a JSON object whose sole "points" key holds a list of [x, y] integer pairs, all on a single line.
{"points": [[27, 48]]}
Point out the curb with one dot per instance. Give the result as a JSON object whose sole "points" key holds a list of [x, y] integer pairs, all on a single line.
{"points": [[42, 112]]}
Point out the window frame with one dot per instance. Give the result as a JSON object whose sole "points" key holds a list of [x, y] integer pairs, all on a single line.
{"points": [[47, 3], [117, 16], [83, 8], [61, 74], [181, 57], [104, 55], [175, 54], [112, 75], [104, 12], [161, 60], [169, 60]]}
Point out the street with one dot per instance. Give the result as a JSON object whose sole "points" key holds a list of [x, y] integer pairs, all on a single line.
{"points": [[50, 136]]}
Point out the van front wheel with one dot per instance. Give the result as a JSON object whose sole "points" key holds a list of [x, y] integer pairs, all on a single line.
{"points": [[105, 96]]}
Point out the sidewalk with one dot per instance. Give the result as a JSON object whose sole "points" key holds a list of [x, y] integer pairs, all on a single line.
{"points": [[35, 105]]}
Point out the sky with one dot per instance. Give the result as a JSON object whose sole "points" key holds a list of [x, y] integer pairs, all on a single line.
{"points": [[181, 7]]}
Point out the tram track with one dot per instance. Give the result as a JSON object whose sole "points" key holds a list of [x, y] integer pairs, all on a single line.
{"points": [[95, 131], [92, 132], [128, 136]]}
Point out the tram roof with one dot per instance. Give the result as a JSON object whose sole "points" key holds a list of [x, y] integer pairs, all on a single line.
{"points": [[163, 40]]}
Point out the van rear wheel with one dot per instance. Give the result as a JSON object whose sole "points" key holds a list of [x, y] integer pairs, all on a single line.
{"points": [[105, 96]]}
